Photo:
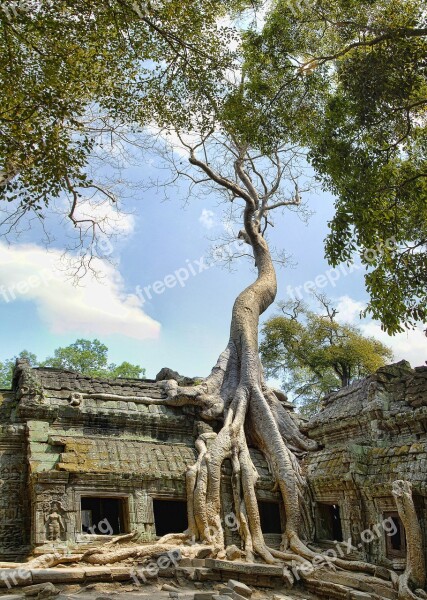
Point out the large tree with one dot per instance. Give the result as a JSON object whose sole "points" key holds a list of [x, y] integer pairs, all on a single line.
{"points": [[315, 354], [237, 410], [349, 78]]}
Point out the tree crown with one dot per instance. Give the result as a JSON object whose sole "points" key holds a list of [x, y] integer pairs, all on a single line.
{"points": [[315, 354], [87, 357]]}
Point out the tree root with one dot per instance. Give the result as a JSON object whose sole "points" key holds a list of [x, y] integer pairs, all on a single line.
{"points": [[414, 577]]}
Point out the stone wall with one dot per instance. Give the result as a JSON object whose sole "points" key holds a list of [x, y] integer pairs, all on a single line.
{"points": [[64, 437], [14, 506], [86, 438], [371, 434]]}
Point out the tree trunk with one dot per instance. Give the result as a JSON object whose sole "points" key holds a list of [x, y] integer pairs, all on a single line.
{"points": [[249, 410], [414, 577]]}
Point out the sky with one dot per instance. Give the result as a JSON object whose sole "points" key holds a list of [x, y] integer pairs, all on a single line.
{"points": [[164, 302]]}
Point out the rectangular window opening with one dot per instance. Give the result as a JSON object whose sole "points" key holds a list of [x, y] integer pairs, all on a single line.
{"points": [[395, 536], [170, 516], [329, 522], [269, 513], [104, 516]]}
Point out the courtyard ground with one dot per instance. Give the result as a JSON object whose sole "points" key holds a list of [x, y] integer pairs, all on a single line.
{"points": [[162, 590]]}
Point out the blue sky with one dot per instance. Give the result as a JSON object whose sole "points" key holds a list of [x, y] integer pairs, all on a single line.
{"points": [[184, 327]]}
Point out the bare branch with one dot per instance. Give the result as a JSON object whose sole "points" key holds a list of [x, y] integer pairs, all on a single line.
{"points": [[222, 181]]}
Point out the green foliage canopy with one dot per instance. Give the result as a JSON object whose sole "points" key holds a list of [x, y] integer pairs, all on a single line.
{"points": [[315, 355], [72, 70], [344, 78], [348, 79], [88, 357]]}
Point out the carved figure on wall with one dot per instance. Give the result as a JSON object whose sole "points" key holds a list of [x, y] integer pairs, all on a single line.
{"points": [[75, 399], [54, 521]]}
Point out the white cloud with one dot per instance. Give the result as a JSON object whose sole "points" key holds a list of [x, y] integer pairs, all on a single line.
{"points": [[174, 142], [410, 345], [110, 220], [98, 306], [349, 310], [207, 219]]}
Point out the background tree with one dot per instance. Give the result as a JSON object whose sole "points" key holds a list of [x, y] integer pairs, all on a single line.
{"points": [[87, 357], [7, 366], [315, 354], [90, 357], [349, 78]]}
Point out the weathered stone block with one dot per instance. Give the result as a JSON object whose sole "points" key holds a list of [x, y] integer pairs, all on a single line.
{"points": [[120, 573], [58, 575], [197, 562], [98, 573], [202, 574], [360, 596], [244, 568], [239, 588], [38, 431], [42, 590]]}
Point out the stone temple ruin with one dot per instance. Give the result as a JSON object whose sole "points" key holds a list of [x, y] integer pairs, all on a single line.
{"points": [[84, 460]]}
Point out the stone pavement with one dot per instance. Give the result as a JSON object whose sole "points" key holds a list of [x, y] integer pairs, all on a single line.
{"points": [[233, 590]]}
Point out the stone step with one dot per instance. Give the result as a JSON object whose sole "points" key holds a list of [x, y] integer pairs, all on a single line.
{"points": [[239, 588], [11, 578], [256, 574], [344, 586], [245, 568]]}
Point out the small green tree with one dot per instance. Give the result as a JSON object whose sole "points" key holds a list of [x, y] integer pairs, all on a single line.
{"points": [[315, 355], [84, 356], [91, 358]]}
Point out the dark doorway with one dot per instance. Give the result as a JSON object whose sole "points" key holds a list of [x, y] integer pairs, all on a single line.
{"points": [[329, 522], [269, 513], [170, 516], [103, 516], [395, 536]]}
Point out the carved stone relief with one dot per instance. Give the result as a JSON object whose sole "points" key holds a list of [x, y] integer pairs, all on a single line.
{"points": [[55, 522]]}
